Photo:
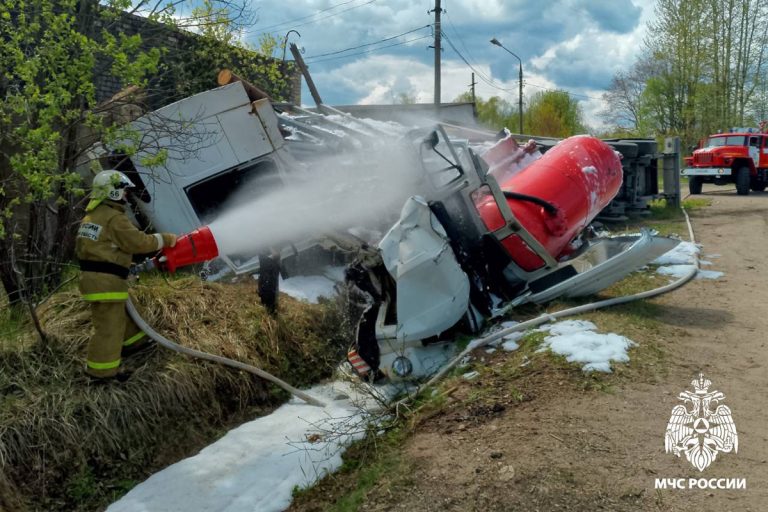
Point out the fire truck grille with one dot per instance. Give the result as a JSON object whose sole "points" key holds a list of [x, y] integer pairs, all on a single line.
{"points": [[704, 159]]}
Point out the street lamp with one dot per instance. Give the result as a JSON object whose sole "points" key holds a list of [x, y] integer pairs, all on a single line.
{"points": [[285, 40], [520, 101]]}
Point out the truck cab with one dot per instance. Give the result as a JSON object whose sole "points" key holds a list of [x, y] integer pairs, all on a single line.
{"points": [[739, 157], [200, 156]]}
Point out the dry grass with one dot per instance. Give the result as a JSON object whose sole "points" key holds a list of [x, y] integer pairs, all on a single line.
{"points": [[68, 445]]}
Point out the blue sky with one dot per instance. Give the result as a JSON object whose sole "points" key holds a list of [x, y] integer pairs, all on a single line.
{"points": [[575, 45]]}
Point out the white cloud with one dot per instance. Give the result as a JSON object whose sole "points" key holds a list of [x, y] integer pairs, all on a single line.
{"points": [[572, 45]]}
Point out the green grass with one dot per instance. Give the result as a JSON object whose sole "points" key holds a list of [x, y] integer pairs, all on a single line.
{"points": [[64, 444], [370, 462], [662, 217]]}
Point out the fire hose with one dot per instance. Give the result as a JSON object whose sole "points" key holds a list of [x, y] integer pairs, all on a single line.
{"points": [[195, 247], [165, 342], [548, 317]]}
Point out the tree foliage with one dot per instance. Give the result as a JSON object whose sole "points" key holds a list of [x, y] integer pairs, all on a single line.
{"points": [[494, 113], [554, 114], [549, 114], [702, 70], [51, 51], [48, 52]]}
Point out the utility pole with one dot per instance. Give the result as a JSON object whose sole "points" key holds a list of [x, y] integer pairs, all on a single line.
{"points": [[474, 100], [520, 61], [304, 71], [438, 10]]}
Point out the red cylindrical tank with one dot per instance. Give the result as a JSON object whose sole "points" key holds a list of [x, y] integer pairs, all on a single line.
{"points": [[579, 177], [194, 247]]}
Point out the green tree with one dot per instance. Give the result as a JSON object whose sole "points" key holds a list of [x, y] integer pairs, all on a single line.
{"points": [[495, 113], [50, 52], [554, 114], [703, 69]]}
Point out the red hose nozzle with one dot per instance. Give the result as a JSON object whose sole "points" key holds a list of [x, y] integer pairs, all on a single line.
{"points": [[197, 246]]}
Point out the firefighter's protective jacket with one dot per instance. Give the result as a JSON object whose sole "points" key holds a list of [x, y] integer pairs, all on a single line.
{"points": [[106, 242]]}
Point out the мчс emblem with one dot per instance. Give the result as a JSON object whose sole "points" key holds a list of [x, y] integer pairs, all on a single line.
{"points": [[697, 430]]}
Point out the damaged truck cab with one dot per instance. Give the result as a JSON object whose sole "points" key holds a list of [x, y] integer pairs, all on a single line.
{"points": [[471, 245], [202, 153]]}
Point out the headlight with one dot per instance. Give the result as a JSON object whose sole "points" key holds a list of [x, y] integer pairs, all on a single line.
{"points": [[402, 366]]}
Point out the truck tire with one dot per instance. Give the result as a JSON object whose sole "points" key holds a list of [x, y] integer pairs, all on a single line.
{"points": [[694, 184], [742, 181], [759, 187]]}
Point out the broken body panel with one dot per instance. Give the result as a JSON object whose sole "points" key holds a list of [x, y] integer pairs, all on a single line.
{"points": [[474, 244]]}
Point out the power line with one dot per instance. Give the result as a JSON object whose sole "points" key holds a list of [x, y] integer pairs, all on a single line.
{"points": [[367, 44], [461, 40], [569, 93], [372, 49], [481, 75], [490, 82], [286, 24]]}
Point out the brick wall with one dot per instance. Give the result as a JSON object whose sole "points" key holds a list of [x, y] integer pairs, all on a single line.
{"points": [[187, 66]]}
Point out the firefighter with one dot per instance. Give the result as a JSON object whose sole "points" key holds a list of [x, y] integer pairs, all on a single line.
{"points": [[106, 242]]}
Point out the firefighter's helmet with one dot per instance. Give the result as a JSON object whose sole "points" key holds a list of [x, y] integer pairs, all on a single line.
{"points": [[109, 184]]}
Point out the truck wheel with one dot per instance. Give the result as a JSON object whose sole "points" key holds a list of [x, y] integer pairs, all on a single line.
{"points": [[759, 187], [694, 184], [742, 181]]}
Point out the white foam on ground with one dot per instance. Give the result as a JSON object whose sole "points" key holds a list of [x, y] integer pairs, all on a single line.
{"points": [[308, 288], [579, 342], [510, 345], [683, 254], [496, 328], [257, 465], [678, 271], [311, 288], [509, 342], [709, 274], [680, 260], [674, 270]]}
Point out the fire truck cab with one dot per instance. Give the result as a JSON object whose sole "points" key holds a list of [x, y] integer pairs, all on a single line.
{"points": [[739, 157]]}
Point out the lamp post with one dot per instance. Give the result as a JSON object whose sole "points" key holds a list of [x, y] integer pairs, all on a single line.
{"points": [[520, 100], [285, 40]]}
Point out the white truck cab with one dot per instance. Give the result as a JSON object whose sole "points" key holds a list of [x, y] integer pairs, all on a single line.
{"points": [[203, 152]]}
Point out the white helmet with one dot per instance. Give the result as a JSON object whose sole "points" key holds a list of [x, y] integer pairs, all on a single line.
{"points": [[109, 184]]}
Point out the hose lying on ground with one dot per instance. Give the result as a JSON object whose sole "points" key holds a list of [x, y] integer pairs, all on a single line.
{"points": [[165, 342], [547, 317]]}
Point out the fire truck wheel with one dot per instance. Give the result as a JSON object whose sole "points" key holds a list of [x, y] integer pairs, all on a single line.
{"points": [[742, 181], [759, 187], [694, 184]]}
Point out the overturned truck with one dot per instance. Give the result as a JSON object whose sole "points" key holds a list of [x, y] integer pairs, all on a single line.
{"points": [[473, 246], [486, 225]]}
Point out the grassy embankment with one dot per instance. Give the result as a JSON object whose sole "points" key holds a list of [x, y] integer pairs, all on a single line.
{"points": [[377, 465], [68, 445]]}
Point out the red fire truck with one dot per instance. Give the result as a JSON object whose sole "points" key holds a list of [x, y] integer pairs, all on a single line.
{"points": [[739, 156]]}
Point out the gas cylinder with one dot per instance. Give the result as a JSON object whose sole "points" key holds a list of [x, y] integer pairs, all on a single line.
{"points": [[556, 197]]}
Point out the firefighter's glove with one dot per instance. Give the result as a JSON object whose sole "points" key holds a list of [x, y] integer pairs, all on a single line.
{"points": [[169, 240]]}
